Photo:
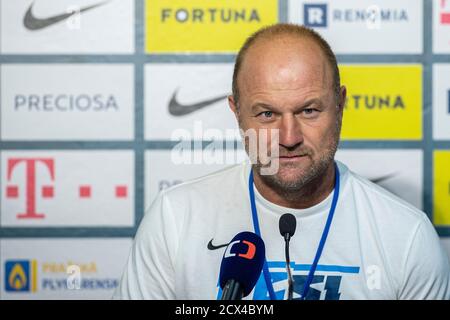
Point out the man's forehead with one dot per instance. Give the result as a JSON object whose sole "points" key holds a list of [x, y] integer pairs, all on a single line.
{"points": [[287, 45], [284, 64]]}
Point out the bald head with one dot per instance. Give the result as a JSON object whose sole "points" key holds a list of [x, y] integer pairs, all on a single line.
{"points": [[283, 45]]}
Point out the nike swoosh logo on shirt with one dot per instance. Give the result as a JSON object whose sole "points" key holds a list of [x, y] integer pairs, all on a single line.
{"points": [[177, 109], [32, 23], [213, 247]]}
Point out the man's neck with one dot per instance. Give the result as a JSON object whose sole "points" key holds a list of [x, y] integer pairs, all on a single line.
{"points": [[309, 195]]}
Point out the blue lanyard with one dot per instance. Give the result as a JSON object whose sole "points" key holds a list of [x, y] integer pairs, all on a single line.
{"points": [[323, 239]]}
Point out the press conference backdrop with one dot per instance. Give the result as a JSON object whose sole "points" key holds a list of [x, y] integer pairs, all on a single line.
{"points": [[93, 100]]}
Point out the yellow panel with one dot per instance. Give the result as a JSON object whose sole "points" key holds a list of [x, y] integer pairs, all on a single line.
{"points": [[384, 102], [33, 276], [204, 25], [441, 203]]}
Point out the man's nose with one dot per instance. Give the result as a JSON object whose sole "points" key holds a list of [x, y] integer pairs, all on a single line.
{"points": [[290, 131]]}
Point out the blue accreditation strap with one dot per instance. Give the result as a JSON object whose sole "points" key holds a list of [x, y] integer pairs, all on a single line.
{"points": [[323, 239]]}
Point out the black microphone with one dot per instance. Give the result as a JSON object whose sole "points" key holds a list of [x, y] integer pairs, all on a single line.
{"points": [[241, 266], [287, 225]]}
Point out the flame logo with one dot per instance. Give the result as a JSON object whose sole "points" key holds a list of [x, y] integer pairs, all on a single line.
{"points": [[17, 278]]}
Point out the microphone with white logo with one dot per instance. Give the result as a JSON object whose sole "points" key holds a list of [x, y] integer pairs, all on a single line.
{"points": [[287, 225], [241, 265]]}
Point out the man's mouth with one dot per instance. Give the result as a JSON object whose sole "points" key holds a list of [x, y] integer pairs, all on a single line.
{"points": [[292, 156]]}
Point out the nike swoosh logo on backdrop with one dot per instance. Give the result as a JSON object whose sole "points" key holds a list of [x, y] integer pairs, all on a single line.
{"points": [[176, 109], [32, 23], [382, 178], [213, 247]]}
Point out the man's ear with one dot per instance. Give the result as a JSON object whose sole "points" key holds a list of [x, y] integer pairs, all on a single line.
{"points": [[233, 106], [342, 97]]}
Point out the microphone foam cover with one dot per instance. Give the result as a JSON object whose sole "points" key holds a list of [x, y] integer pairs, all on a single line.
{"points": [[287, 224], [243, 261]]}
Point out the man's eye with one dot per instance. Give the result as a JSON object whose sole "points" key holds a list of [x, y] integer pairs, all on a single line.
{"points": [[310, 111], [266, 114]]}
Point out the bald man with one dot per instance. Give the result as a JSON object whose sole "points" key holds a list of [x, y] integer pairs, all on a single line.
{"points": [[354, 240]]}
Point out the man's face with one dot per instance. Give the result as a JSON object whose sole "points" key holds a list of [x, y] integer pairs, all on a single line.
{"points": [[286, 84]]}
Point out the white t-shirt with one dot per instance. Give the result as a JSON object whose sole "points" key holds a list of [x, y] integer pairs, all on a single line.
{"points": [[378, 246]]}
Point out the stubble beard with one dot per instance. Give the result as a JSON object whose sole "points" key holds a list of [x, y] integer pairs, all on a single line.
{"points": [[309, 178]]}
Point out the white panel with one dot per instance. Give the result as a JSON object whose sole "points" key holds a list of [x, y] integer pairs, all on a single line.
{"points": [[364, 26], [70, 175], [106, 28], [398, 171], [441, 26], [63, 102], [441, 101], [163, 168], [446, 245], [101, 263], [191, 86]]}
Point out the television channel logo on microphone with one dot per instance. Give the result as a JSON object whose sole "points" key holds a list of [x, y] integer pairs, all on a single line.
{"points": [[245, 249]]}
